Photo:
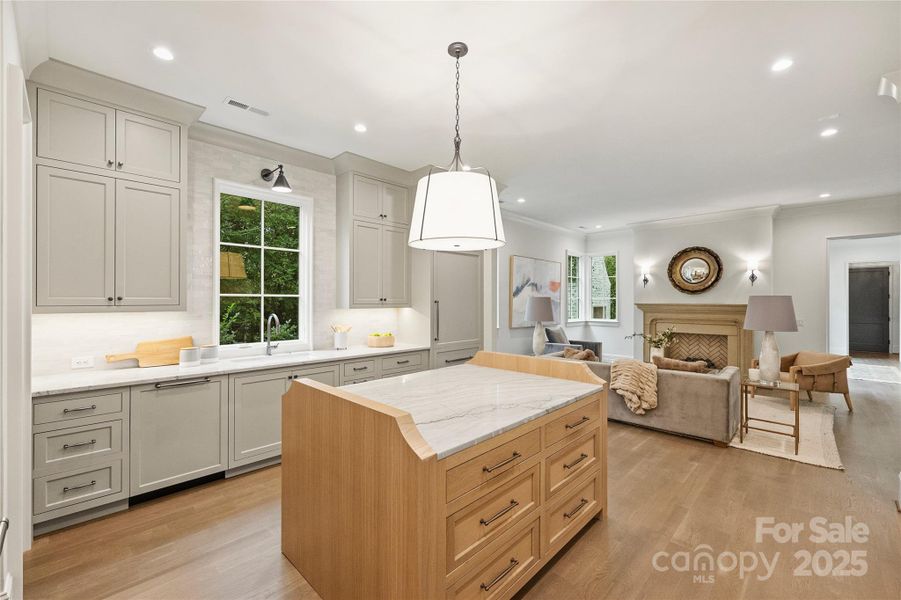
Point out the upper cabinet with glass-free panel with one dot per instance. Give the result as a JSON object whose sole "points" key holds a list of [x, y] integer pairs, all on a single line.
{"points": [[380, 201], [75, 131], [147, 147]]}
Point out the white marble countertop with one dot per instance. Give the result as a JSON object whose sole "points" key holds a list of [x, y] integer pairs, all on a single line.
{"points": [[458, 407], [94, 379]]}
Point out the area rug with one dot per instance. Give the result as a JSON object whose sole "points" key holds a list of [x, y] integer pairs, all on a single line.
{"points": [[880, 373], [817, 445]]}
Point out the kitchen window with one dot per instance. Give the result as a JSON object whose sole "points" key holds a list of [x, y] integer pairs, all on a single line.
{"points": [[591, 287], [264, 241]]}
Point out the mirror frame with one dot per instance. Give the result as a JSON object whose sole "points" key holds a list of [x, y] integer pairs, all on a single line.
{"points": [[680, 258]]}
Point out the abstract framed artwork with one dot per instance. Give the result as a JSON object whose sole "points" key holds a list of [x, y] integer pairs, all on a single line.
{"points": [[533, 277]]}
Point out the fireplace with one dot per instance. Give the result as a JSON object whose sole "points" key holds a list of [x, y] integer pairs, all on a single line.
{"points": [[708, 331]]}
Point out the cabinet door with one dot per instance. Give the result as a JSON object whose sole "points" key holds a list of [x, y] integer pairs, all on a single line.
{"points": [[395, 204], [327, 374], [75, 131], [457, 300], [179, 432], [367, 198], [366, 273], [255, 416], [395, 265], [148, 225], [75, 243], [147, 147]]}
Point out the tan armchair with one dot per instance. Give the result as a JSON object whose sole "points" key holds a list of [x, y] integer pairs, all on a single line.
{"points": [[818, 372]]}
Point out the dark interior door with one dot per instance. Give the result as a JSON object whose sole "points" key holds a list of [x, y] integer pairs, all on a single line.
{"points": [[868, 309]]}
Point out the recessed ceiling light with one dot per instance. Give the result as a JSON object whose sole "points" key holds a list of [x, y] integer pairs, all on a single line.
{"points": [[598, 226], [163, 53], [520, 200], [781, 65], [828, 132], [360, 128], [825, 195]]}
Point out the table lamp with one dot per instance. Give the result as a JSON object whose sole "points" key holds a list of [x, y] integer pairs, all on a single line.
{"points": [[539, 309], [770, 314]]}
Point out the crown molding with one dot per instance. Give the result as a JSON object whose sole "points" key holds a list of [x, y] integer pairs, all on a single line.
{"points": [[536, 223], [714, 217]]}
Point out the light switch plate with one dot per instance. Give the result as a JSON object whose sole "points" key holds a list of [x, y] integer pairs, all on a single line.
{"points": [[83, 362]]}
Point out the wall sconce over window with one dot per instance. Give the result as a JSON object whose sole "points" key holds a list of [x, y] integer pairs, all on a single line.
{"points": [[645, 279], [753, 268], [281, 182]]}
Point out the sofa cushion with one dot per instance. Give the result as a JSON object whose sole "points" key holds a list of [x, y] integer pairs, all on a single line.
{"points": [[556, 335], [698, 366]]}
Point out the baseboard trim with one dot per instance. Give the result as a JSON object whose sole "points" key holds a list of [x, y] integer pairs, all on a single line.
{"points": [[253, 467], [79, 517]]}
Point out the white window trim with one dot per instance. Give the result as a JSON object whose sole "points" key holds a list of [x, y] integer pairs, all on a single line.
{"points": [[585, 282], [305, 203]]}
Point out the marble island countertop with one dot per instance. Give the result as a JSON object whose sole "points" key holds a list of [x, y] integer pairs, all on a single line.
{"points": [[94, 379], [458, 407]]}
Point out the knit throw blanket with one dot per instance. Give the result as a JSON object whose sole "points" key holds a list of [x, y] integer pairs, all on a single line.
{"points": [[636, 382]]}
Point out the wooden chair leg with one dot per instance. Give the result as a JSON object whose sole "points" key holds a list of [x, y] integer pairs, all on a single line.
{"points": [[848, 401], [809, 396]]}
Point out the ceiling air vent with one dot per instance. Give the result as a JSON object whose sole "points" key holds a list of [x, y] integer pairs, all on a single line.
{"points": [[242, 106]]}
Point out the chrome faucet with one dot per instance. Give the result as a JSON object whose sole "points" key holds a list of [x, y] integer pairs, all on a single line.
{"points": [[269, 345]]}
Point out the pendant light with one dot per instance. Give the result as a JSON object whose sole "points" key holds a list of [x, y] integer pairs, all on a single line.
{"points": [[456, 207]]}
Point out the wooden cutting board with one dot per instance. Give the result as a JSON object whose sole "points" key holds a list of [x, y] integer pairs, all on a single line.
{"points": [[155, 353]]}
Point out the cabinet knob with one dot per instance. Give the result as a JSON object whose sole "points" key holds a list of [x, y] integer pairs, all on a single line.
{"points": [[120, 164], [109, 163], [109, 298], [119, 298]]}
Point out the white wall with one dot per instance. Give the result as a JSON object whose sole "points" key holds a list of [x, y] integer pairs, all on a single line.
{"points": [[843, 253]]}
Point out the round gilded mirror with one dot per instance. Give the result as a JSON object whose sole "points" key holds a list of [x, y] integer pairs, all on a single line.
{"points": [[695, 270]]}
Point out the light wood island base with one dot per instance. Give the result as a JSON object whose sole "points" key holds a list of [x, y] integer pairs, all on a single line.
{"points": [[370, 511]]}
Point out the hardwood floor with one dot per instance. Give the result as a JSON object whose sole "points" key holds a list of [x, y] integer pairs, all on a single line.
{"points": [[666, 493]]}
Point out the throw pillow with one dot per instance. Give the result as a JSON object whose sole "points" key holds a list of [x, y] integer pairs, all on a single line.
{"points": [[576, 354], [556, 335], [672, 364]]}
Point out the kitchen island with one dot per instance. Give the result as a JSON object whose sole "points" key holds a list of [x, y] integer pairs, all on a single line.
{"points": [[456, 483]]}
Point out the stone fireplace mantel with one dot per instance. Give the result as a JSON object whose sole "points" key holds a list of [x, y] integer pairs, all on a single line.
{"points": [[713, 331]]}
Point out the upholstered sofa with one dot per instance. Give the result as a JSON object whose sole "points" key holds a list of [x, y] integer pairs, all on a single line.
{"points": [[699, 405]]}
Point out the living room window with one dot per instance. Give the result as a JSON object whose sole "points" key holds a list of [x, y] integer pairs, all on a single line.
{"points": [[264, 264], [591, 287]]}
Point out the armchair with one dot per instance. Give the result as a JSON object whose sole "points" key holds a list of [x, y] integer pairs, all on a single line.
{"points": [[817, 372], [557, 341]]}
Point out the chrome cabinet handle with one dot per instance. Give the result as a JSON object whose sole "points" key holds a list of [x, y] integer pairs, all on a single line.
{"points": [[4, 527], [79, 409], [162, 386], [78, 487], [437, 320], [501, 575], [403, 362], [449, 361], [577, 423], [582, 504], [582, 457], [502, 463], [79, 444], [513, 504]]}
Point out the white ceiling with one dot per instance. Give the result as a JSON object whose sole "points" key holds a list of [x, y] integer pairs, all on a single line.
{"points": [[603, 113]]}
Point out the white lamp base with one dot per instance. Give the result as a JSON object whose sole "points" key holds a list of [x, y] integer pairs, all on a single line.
{"points": [[538, 339], [769, 358]]}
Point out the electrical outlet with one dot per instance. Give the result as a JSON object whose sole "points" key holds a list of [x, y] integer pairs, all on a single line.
{"points": [[800, 323], [83, 362]]}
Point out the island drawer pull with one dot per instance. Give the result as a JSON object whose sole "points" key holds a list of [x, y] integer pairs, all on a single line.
{"points": [[513, 504], [79, 444], [570, 514], [582, 457], [448, 361], [360, 368], [79, 409], [78, 487], [162, 386], [513, 564], [403, 362], [577, 423], [502, 463]]}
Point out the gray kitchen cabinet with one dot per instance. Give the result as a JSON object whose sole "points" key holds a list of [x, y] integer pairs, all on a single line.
{"points": [[380, 201], [179, 432], [395, 265], [255, 416], [366, 273], [456, 306], [75, 131], [75, 241], [367, 198], [148, 225], [147, 147], [396, 204], [326, 373]]}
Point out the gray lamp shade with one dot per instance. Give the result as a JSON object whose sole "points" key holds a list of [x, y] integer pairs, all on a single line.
{"points": [[539, 308], [770, 313]]}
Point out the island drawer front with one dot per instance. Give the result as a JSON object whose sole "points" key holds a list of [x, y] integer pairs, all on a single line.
{"points": [[497, 573], [573, 422], [568, 516], [77, 407], [74, 447], [404, 362], [491, 464], [359, 369], [449, 358], [65, 489], [570, 462], [360, 380], [472, 527]]}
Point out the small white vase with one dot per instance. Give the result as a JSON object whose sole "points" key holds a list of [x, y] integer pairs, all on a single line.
{"points": [[661, 352], [340, 340]]}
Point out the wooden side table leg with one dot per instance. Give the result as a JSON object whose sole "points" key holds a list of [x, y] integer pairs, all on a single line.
{"points": [[742, 421], [796, 397]]}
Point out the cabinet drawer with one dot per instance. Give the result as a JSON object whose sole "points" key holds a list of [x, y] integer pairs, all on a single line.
{"points": [[491, 464], [359, 369], [65, 489], [499, 571], [575, 421], [76, 446], [564, 520], [449, 358], [104, 403], [567, 464], [403, 362], [360, 380], [472, 527]]}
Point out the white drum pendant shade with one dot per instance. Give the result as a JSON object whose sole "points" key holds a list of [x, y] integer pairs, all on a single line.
{"points": [[456, 211]]}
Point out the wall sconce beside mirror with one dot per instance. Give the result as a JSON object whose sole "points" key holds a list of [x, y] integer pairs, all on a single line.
{"points": [[753, 267]]}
